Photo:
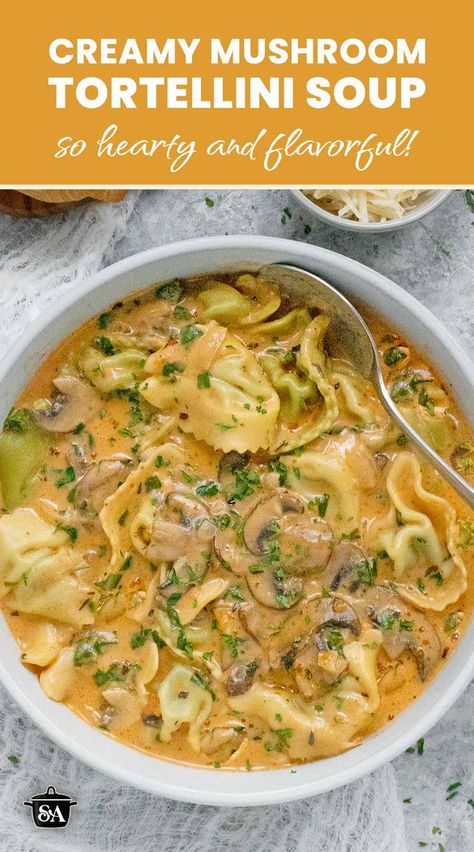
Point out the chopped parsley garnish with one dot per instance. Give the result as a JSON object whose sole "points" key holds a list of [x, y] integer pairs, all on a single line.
{"points": [[466, 534], [320, 503], [334, 640], [393, 356], [181, 313], [160, 462], [232, 642], [114, 674], [367, 572], [13, 759], [139, 638], [246, 481], [469, 196], [127, 562], [152, 482], [110, 582], [105, 345], [426, 401], [65, 476], [387, 618], [350, 536], [172, 367], [104, 319], [452, 622], [18, 420], [282, 471], [171, 292], [183, 644], [207, 489], [235, 593], [209, 201], [189, 334], [199, 680], [71, 531], [91, 645], [204, 380], [123, 518]]}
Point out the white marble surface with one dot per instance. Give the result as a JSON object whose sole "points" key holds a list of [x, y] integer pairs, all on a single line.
{"points": [[434, 260]]}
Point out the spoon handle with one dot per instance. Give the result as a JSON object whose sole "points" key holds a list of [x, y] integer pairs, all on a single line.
{"points": [[459, 484]]}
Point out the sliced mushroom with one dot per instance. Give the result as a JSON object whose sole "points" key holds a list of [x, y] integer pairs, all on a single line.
{"points": [[75, 402], [332, 664], [126, 707], [228, 465], [240, 677], [99, 482], [304, 542], [152, 720], [341, 570], [148, 326], [274, 591], [336, 612], [181, 528], [222, 740], [404, 628]]}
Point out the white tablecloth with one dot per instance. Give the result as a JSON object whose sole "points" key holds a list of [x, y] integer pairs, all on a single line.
{"points": [[400, 807]]}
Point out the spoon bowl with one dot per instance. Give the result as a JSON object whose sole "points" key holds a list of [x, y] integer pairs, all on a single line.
{"points": [[349, 337]]}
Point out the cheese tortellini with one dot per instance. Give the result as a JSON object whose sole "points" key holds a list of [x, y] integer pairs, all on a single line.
{"points": [[419, 535], [216, 387], [39, 574]]}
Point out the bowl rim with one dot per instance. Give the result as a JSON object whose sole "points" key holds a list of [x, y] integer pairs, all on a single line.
{"points": [[202, 785], [421, 209]]}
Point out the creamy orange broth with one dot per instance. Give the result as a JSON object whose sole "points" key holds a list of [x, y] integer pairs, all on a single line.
{"points": [[231, 735]]}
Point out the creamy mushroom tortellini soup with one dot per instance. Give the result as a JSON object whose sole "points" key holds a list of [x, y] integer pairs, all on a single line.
{"points": [[215, 546]]}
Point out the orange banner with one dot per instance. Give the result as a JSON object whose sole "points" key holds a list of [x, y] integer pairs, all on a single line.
{"points": [[256, 93]]}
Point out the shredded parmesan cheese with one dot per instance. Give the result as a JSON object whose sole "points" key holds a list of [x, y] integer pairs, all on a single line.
{"points": [[366, 205]]}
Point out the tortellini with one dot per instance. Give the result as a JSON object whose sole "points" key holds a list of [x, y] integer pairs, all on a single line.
{"points": [[343, 713], [38, 571], [311, 393], [419, 535], [362, 404], [133, 499], [328, 472], [183, 701], [216, 387], [249, 302], [108, 373]]}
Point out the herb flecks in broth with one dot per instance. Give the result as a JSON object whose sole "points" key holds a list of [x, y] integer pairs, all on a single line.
{"points": [[215, 545]]}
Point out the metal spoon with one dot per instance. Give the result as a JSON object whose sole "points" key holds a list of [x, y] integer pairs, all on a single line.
{"points": [[349, 337]]}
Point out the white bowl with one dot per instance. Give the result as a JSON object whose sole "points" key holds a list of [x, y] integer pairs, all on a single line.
{"points": [[425, 205], [213, 786]]}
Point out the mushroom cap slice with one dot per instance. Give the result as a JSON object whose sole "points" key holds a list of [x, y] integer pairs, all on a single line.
{"points": [[404, 628], [240, 677], [181, 528], [304, 542], [76, 402], [342, 566], [99, 482], [339, 614]]}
